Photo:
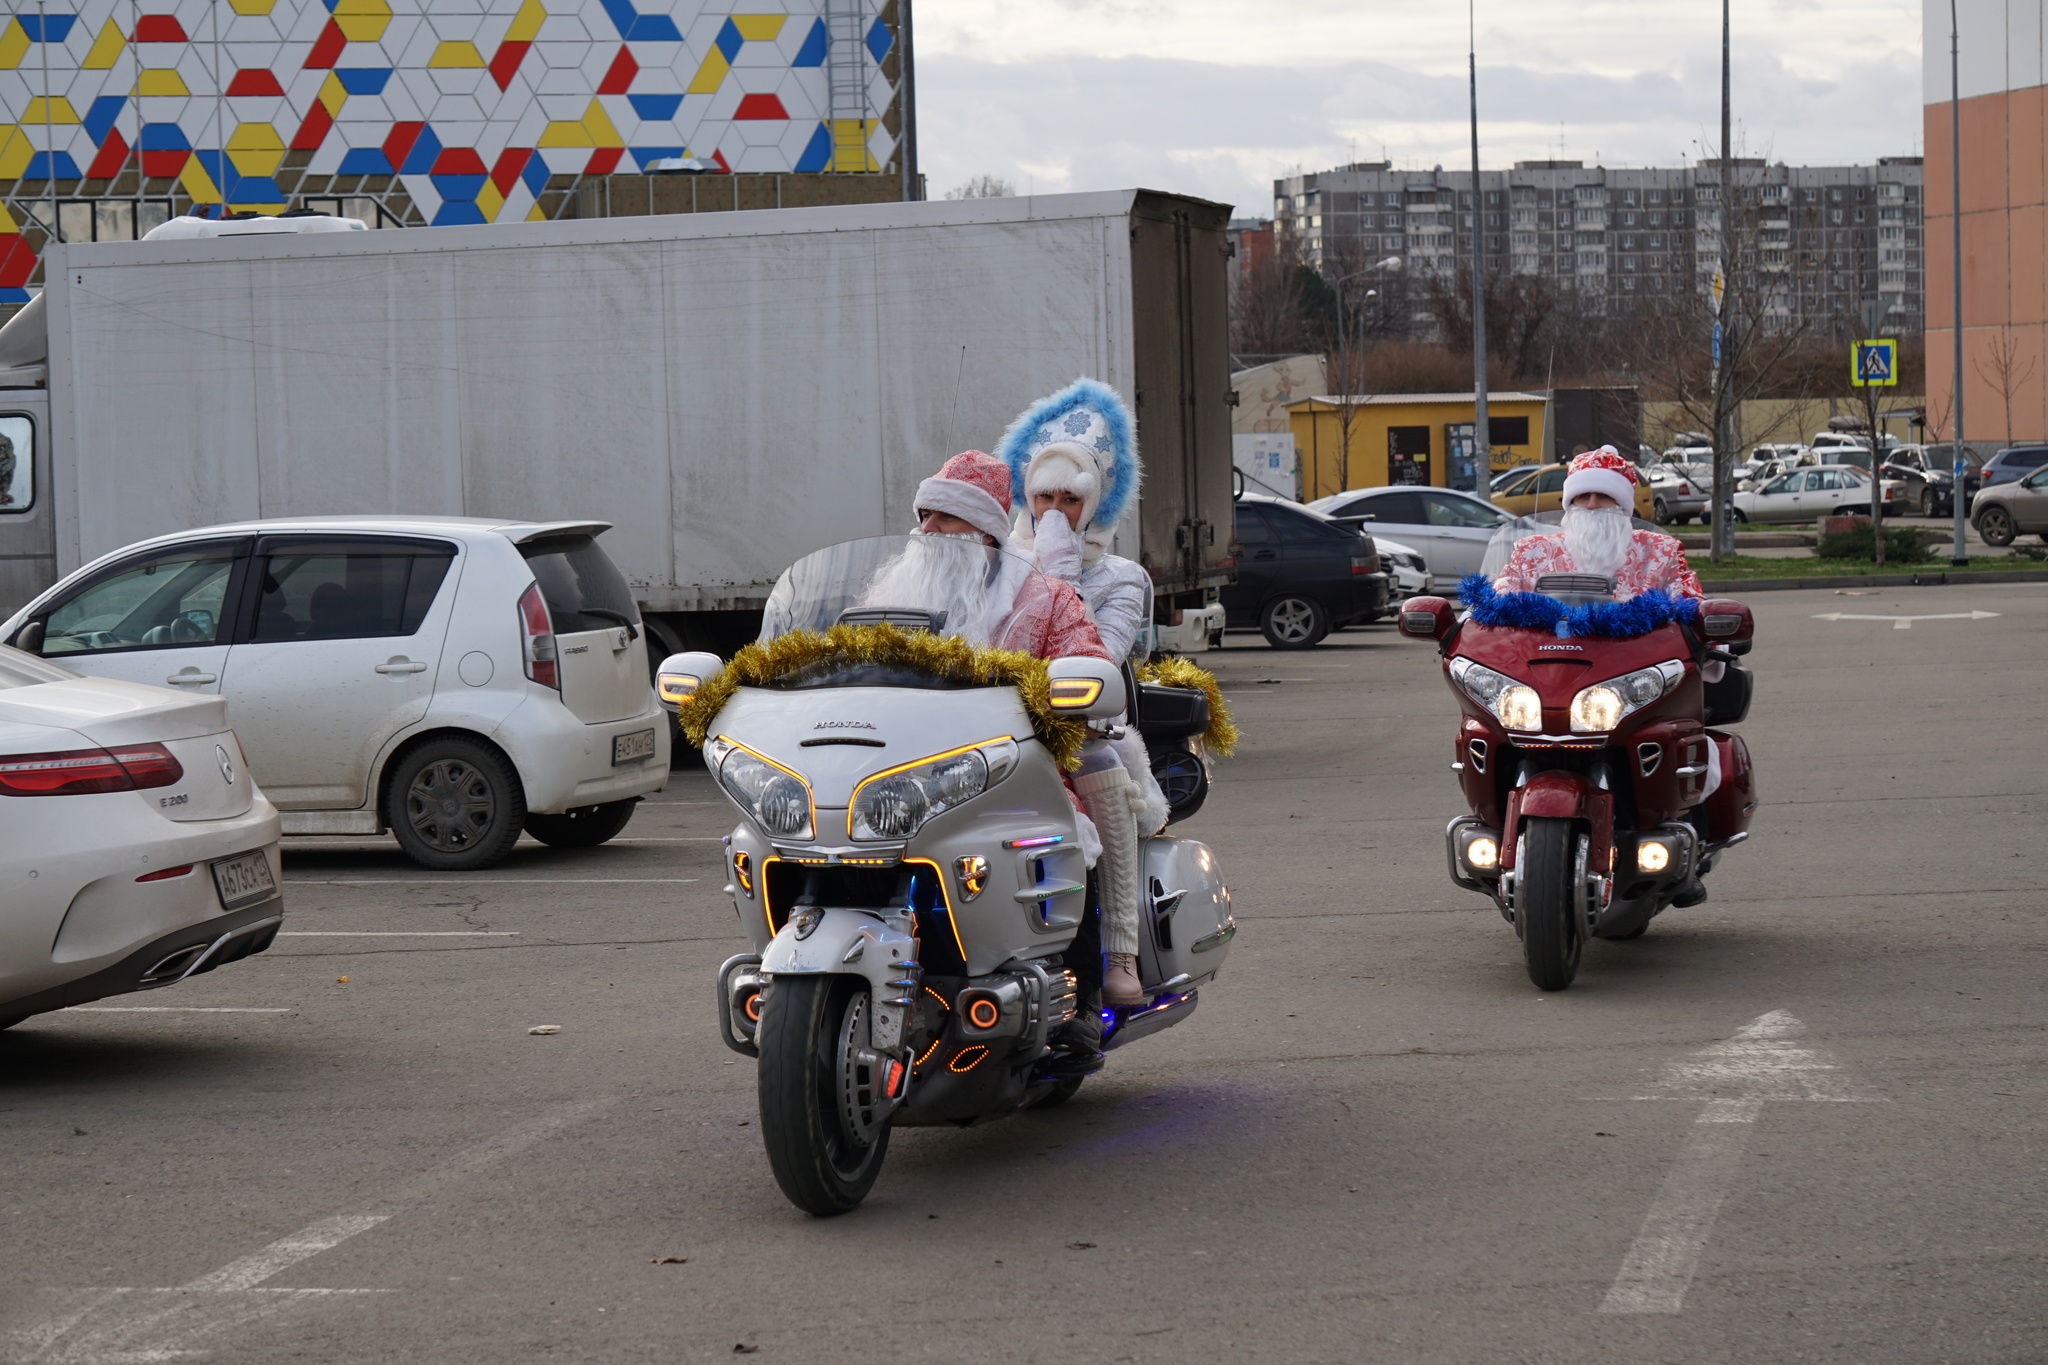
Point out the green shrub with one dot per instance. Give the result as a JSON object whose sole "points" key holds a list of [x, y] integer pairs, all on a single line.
{"points": [[1901, 545]]}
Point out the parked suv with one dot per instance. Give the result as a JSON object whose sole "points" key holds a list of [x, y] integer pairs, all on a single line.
{"points": [[1928, 476], [2014, 463], [1300, 575], [2013, 509], [451, 679]]}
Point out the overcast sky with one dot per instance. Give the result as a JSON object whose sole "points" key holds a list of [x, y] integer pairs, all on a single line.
{"points": [[1218, 97]]}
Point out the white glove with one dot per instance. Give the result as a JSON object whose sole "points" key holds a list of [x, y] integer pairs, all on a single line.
{"points": [[1059, 546]]}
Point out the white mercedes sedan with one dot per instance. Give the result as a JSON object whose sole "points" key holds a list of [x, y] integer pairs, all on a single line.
{"points": [[135, 851]]}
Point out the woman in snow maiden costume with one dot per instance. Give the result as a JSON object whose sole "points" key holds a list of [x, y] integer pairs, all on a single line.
{"points": [[1074, 472]]}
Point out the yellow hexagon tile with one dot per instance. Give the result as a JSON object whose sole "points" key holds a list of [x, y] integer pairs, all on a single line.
{"points": [[362, 21], [255, 149], [454, 55], [160, 83], [253, 6], [14, 45], [526, 24], [15, 151], [41, 111], [105, 48]]}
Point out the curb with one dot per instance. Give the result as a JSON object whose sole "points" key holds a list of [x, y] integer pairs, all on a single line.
{"points": [[1932, 578]]}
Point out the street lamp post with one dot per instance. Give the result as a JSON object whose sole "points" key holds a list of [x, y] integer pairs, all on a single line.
{"points": [[1955, 223], [1389, 263]]}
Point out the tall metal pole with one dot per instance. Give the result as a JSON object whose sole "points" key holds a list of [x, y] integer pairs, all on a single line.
{"points": [[1955, 237], [1482, 434], [906, 103], [1724, 524]]}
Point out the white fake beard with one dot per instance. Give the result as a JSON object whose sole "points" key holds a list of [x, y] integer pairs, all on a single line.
{"points": [[932, 576], [1598, 538]]}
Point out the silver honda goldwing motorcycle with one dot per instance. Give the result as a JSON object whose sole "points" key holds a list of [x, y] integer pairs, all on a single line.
{"points": [[908, 866]]}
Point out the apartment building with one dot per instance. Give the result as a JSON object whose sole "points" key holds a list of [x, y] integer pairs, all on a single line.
{"points": [[1815, 242]]}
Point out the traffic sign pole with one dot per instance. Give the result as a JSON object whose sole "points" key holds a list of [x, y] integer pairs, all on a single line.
{"points": [[1873, 365]]}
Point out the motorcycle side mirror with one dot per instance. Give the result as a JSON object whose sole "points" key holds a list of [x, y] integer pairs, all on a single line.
{"points": [[680, 675], [1426, 618], [1084, 686], [1726, 622]]}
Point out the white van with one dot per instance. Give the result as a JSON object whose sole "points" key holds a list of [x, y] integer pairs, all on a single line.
{"points": [[453, 680]]}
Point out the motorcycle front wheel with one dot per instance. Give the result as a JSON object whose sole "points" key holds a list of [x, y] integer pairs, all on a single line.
{"points": [[820, 1088], [1544, 904]]}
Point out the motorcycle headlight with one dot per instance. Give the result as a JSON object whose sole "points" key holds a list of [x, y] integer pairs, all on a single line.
{"points": [[896, 803], [1514, 704], [773, 798], [1600, 708]]}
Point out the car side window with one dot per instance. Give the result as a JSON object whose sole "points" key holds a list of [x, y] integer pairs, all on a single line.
{"points": [[343, 590], [1825, 479], [1442, 511], [2038, 479], [1552, 480], [1391, 509], [1251, 525], [171, 599], [1782, 484]]}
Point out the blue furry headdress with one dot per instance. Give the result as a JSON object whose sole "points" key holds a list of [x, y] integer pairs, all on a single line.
{"points": [[1089, 415], [1639, 615]]}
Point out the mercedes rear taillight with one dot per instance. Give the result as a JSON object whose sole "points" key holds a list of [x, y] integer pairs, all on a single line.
{"points": [[540, 639], [83, 772]]}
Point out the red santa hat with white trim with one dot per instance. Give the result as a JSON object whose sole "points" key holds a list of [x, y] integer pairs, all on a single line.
{"points": [[1602, 471], [973, 487]]}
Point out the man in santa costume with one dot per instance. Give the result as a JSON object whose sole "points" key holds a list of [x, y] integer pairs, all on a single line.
{"points": [[1596, 536], [992, 598]]}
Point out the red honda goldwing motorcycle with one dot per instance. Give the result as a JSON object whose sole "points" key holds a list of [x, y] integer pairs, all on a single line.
{"points": [[1599, 791]]}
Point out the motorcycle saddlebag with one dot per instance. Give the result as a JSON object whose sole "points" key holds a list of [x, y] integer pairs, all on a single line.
{"points": [[1190, 925], [1734, 801], [1171, 712]]}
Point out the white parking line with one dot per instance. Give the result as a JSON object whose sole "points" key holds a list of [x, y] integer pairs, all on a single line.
{"points": [[173, 1009], [490, 881], [136, 1325], [1732, 1079], [398, 933]]}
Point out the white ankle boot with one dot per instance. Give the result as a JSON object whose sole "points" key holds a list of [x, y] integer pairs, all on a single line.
{"points": [[1120, 981]]}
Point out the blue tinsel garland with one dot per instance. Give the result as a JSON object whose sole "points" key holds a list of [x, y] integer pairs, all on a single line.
{"points": [[1639, 615]]}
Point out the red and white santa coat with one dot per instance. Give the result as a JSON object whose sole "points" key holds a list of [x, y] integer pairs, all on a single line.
{"points": [[1654, 560], [1047, 620]]}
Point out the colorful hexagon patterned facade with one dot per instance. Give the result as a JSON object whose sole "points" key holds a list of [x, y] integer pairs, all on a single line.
{"points": [[471, 107]]}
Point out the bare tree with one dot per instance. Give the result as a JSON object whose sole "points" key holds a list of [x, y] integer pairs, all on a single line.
{"points": [[984, 187], [2005, 373]]}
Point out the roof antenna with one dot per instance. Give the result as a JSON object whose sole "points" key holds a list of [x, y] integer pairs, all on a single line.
{"points": [[953, 422]]}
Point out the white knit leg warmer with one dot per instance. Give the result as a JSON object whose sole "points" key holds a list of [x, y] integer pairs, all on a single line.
{"points": [[1108, 798]]}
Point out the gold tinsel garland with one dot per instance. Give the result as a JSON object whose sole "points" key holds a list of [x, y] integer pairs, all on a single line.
{"points": [[1174, 671], [947, 657]]}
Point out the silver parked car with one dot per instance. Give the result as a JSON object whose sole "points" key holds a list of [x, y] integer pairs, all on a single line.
{"points": [[2013, 509], [1675, 495], [1450, 529], [1809, 494]]}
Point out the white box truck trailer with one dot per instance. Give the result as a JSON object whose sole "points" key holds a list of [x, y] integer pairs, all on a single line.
{"points": [[730, 391]]}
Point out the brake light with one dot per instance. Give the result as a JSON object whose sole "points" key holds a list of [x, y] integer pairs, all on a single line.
{"points": [[1369, 564], [84, 772], [540, 639]]}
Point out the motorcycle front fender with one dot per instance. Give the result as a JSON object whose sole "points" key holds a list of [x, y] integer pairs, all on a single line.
{"points": [[1562, 796], [815, 941]]}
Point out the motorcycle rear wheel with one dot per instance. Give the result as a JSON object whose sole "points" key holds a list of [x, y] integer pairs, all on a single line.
{"points": [[818, 1090], [1545, 905]]}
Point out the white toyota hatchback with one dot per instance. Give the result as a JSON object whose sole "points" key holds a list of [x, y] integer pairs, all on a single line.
{"points": [[453, 680], [135, 851]]}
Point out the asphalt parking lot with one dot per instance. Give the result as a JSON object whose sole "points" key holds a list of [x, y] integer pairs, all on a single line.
{"points": [[1801, 1122]]}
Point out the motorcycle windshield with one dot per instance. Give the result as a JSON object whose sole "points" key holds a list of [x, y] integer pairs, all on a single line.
{"points": [[1572, 590], [949, 585]]}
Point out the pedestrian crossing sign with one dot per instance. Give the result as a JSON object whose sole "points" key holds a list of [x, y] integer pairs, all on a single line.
{"points": [[1874, 364]]}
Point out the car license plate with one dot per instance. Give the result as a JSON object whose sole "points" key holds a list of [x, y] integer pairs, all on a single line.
{"points": [[244, 880], [632, 748]]}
